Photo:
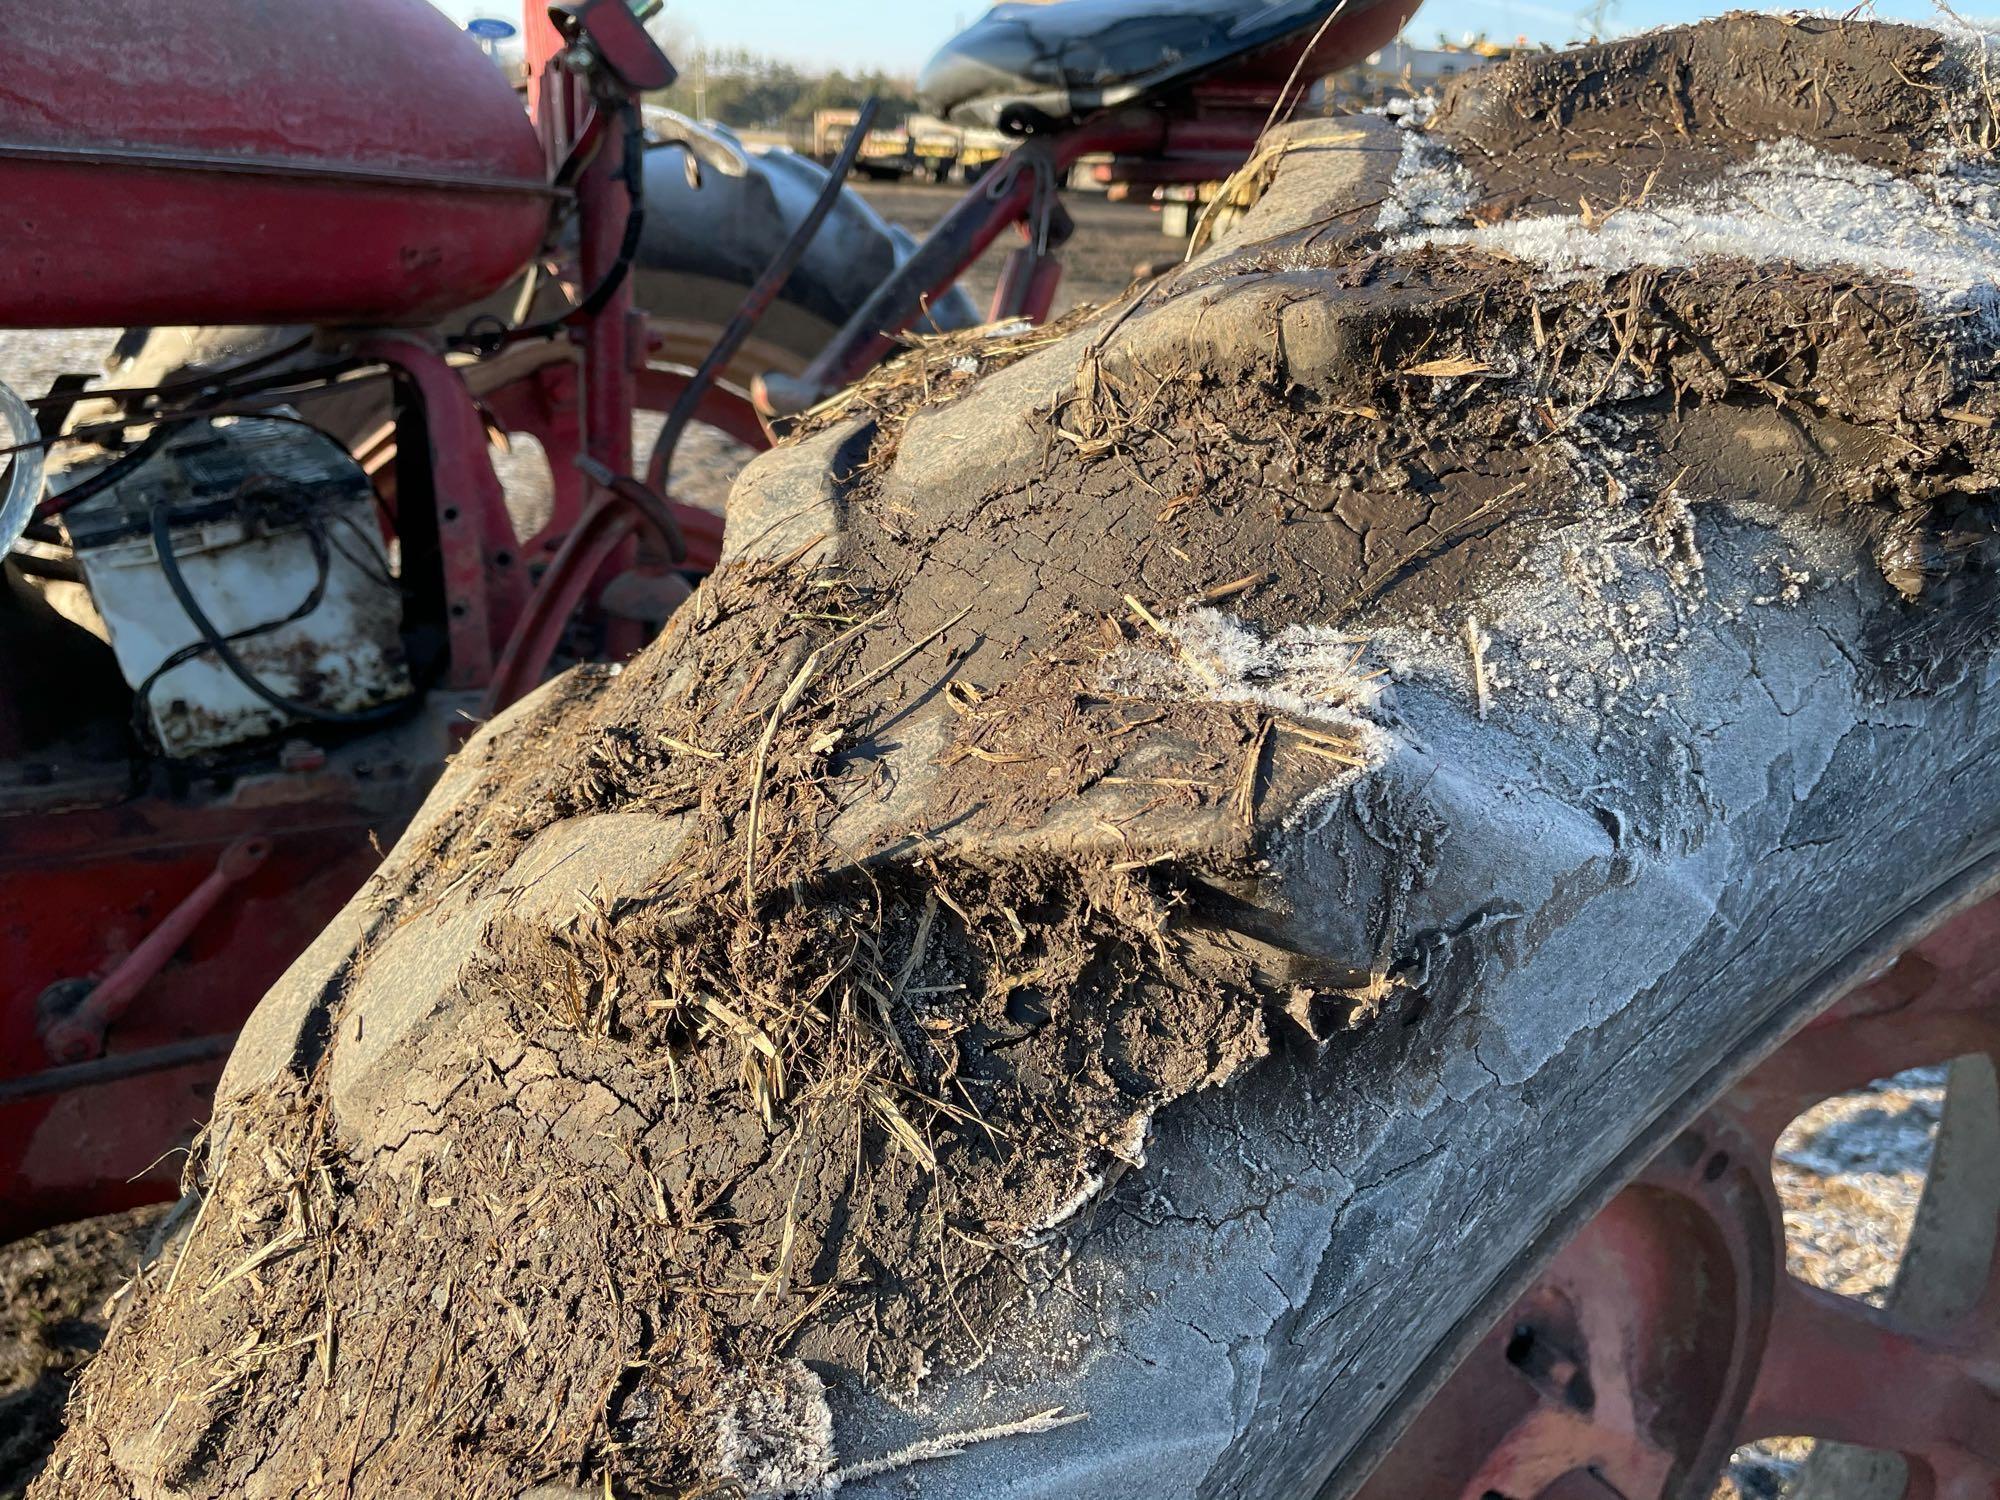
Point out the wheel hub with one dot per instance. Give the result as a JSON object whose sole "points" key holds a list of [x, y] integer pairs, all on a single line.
{"points": [[1667, 1333]]}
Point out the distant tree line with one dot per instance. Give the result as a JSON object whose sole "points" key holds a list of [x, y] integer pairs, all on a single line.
{"points": [[742, 89]]}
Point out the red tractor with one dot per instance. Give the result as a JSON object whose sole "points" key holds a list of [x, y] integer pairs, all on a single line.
{"points": [[184, 802]]}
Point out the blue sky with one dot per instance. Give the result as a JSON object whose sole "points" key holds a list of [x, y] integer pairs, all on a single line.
{"points": [[898, 35]]}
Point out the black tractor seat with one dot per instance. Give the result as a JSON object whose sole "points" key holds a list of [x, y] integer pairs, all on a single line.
{"points": [[1030, 68]]}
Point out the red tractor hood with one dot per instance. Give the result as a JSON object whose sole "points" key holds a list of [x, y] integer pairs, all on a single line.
{"points": [[250, 161]]}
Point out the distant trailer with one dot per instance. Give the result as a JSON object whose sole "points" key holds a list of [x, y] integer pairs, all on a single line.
{"points": [[925, 147]]}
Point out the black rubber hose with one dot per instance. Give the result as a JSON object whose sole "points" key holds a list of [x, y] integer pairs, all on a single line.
{"points": [[119, 468], [55, 569], [225, 377], [633, 173], [119, 1065], [633, 170]]}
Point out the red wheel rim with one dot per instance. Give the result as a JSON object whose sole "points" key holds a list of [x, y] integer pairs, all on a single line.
{"points": [[1667, 1332]]}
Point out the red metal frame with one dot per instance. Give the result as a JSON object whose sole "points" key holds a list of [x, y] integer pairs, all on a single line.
{"points": [[88, 889], [139, 927], [597, 542], [485, 588], [235, 161], [1005, 198], [1202, 138]]}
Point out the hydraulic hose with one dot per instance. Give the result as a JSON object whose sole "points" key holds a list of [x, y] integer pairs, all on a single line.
{"points": [[757, 301]]}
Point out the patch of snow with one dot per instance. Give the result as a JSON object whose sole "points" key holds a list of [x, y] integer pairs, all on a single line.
{"points": [[1886, 1131], [1938, 233], [1588, 628], [1945, 22]]}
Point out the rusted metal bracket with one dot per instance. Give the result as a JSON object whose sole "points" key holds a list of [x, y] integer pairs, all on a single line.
{"points": [[484, 592]]}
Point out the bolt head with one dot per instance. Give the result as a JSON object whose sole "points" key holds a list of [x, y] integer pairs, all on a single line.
{"points": [[300, 757]]}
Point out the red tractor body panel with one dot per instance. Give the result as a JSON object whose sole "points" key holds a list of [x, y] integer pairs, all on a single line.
{"points": [[242, 161]]}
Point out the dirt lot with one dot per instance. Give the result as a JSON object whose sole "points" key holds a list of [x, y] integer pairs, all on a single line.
{"points": [[54, 1290]]}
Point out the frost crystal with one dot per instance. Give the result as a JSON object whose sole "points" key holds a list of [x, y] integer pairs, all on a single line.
{"points": [[774, 1430], [1793, 203], [1431, 189], [1305, 671]]}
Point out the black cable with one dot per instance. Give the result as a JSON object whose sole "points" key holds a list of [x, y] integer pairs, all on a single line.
{"points": [[142, 695], [757, 301], [57, 569], [633, 170], [194, 383], [331, 376], [633, 173], [118, 469], [163, 548], [369, 563], [225, 383], [90, 432]]}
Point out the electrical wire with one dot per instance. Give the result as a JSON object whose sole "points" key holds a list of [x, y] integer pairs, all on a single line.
{"points": [[143, 694], [91, 432], [117, 470], [215, 389], [223, 645], [191, 383], [369, 562], [57, 569], [633, 173]]}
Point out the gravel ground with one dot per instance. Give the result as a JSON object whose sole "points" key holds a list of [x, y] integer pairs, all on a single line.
{"points": [[1849, 1172], [29, 361]]}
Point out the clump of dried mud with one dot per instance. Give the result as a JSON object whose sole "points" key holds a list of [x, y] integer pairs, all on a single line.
{"points": [[780, 1107], [956, 818], [933, 368], [1596, 287]]}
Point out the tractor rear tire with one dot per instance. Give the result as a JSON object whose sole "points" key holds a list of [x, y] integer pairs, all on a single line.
{"points": [[1240, 1035]]}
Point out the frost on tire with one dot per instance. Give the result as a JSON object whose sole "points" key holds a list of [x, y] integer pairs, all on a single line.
{"points": [[1104, 932]]}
